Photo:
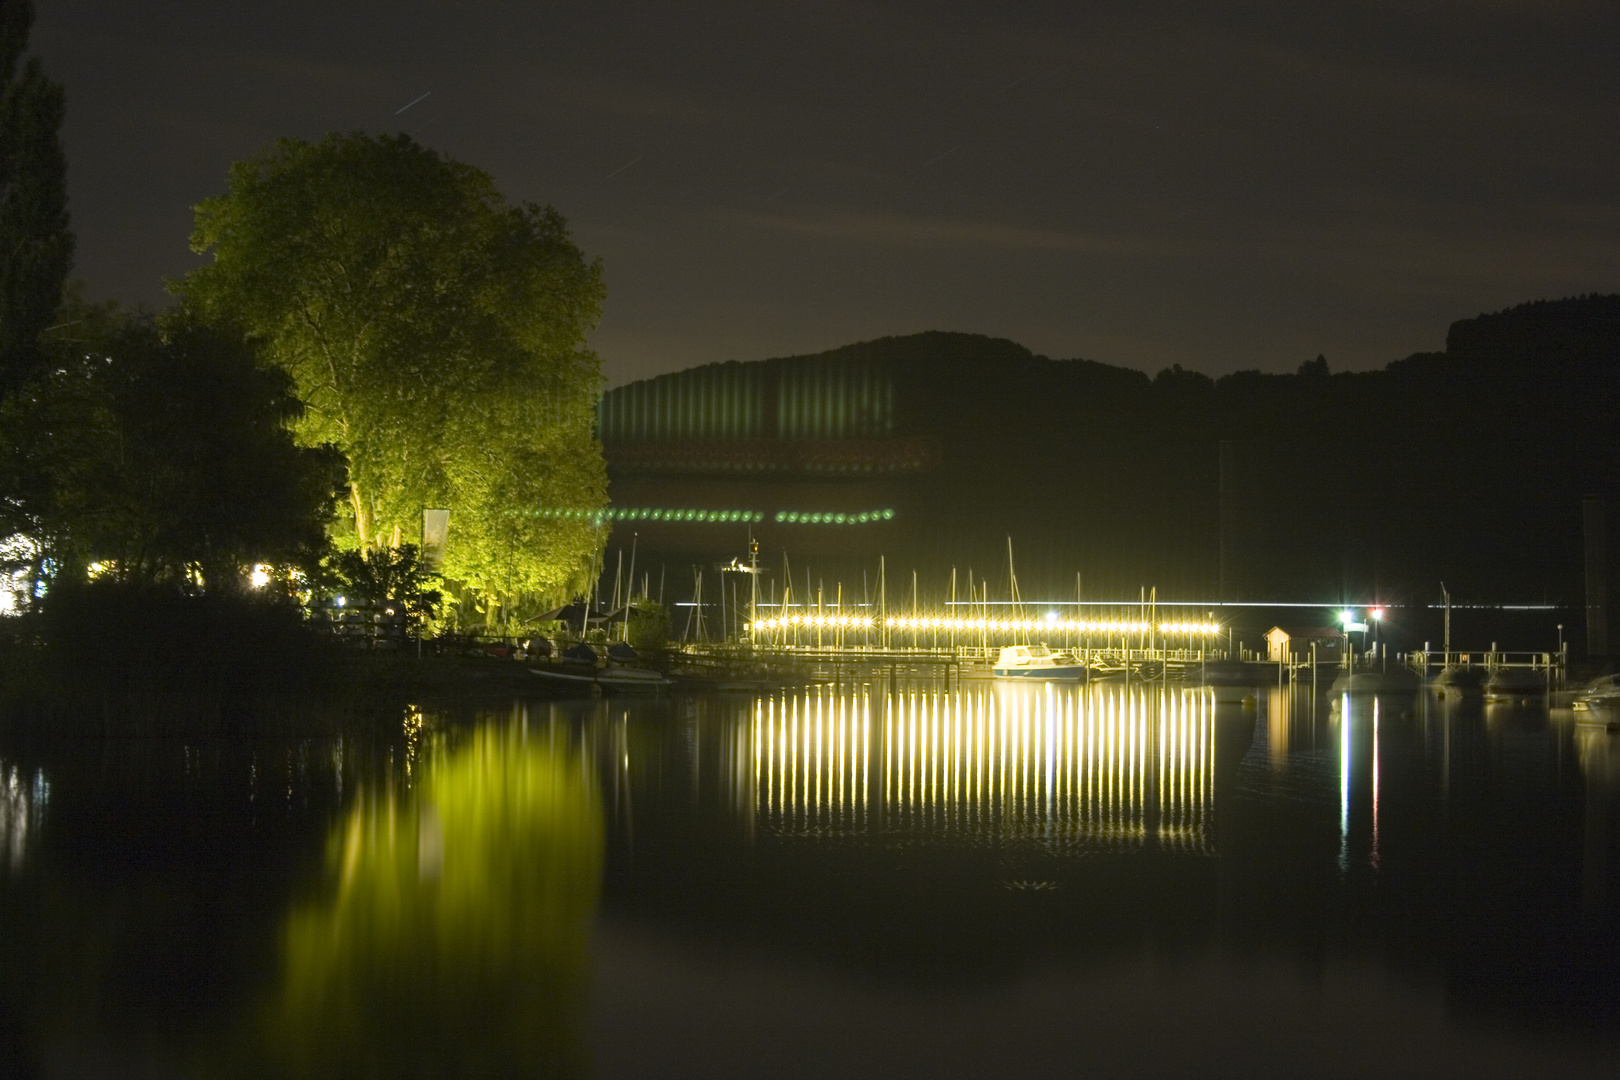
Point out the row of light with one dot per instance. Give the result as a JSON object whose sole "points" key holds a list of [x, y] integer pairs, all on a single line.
{"points": [[909, 622], [783, 517], [794, 517], [647, 513]]}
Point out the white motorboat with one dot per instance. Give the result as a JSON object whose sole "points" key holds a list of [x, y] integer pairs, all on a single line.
{"points": [[1036, 662], [1602, 694]]}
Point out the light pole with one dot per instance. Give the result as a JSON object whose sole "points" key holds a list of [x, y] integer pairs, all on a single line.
{"points": [[1348, 619], [1562, 667]]}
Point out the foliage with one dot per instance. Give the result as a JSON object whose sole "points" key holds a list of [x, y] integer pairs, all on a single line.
{"points": [[389, 576], [436, 333], [36, 248], [649, 627], [158, 450]]}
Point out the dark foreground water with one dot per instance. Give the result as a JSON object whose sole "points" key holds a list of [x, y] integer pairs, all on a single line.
{"points": [[999, 881]]}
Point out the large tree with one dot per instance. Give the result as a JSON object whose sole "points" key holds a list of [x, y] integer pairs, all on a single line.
{"points": [[436, 333], [36, 248]]}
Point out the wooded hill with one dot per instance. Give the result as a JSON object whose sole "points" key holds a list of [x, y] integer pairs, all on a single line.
{"points": [[1467, 466]]}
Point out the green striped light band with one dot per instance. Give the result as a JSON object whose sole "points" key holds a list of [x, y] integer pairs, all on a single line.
{"points": [[706, 517], [720, 517], [643, 513], [824, 517]]}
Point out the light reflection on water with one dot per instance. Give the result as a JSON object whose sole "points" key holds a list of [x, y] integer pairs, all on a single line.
{"points": [[842, 831], [1046, 765], [23, 797], [456, 938]]}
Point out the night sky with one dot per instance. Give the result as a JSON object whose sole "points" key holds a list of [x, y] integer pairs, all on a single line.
{"points": [[1139, 184]]}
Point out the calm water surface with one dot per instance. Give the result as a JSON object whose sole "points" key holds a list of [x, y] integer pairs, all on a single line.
{"points": [[994, 880]]}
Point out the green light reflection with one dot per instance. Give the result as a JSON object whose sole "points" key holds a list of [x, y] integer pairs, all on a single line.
{"points": [[457, 941]]}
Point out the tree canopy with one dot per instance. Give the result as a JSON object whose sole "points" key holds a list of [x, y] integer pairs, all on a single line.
{"points": [[36, 248], [436, 334], [159, 449]]}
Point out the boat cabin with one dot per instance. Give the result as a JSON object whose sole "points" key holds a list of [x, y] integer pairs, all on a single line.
{"points": [[1023, 655]]}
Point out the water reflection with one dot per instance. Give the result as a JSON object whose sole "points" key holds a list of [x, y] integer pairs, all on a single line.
{"points": [[1046, 765], [456, 941], [419, 901], [1599, 751], [23, 797], [1357, 718]]}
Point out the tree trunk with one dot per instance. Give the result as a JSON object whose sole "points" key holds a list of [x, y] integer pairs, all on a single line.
{"points": [[362, 520]]}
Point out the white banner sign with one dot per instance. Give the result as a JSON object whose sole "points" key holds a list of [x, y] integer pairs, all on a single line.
{"points": [[435, 530]]}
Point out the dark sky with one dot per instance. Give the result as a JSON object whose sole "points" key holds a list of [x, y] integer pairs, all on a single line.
{"points": [[1134, 183]]}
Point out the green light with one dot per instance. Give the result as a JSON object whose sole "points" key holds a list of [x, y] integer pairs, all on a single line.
{"points": [[829, 517], [714, 517]]}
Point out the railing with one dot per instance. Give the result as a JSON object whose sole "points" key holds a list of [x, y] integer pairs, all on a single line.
{"points": [[1493, 659], [362, 625]]}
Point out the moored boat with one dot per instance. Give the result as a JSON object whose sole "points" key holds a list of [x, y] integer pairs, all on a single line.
{"points": [[1514, 684], [1601, 695], [628, 678], [1036, 662], [1458, 680], [622, 673]]}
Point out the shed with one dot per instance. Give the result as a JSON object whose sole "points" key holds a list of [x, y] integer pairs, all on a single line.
{"points": [[1292, 644]]}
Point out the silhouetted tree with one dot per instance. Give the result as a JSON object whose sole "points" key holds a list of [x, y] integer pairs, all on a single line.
{"points": [[36, 248], [160, 449], [389, 576]]}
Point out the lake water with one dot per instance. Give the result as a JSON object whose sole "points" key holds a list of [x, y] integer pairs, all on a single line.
{"points": [[994, 880]]}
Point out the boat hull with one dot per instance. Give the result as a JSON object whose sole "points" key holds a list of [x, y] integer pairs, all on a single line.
{"points": [[613, 682], [1064, 672], [640, 684]]}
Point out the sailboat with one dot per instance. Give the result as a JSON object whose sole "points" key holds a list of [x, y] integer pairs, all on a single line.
{"points": [[1036, 662]]}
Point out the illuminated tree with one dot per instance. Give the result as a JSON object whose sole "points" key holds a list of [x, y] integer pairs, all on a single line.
{"points": [[436, 333]]}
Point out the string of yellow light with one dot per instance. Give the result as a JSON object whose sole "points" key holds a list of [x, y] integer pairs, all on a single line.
{"points": [[953, 623]]}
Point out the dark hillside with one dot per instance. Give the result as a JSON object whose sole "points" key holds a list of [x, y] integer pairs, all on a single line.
{"points": [[1466, 467]]}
